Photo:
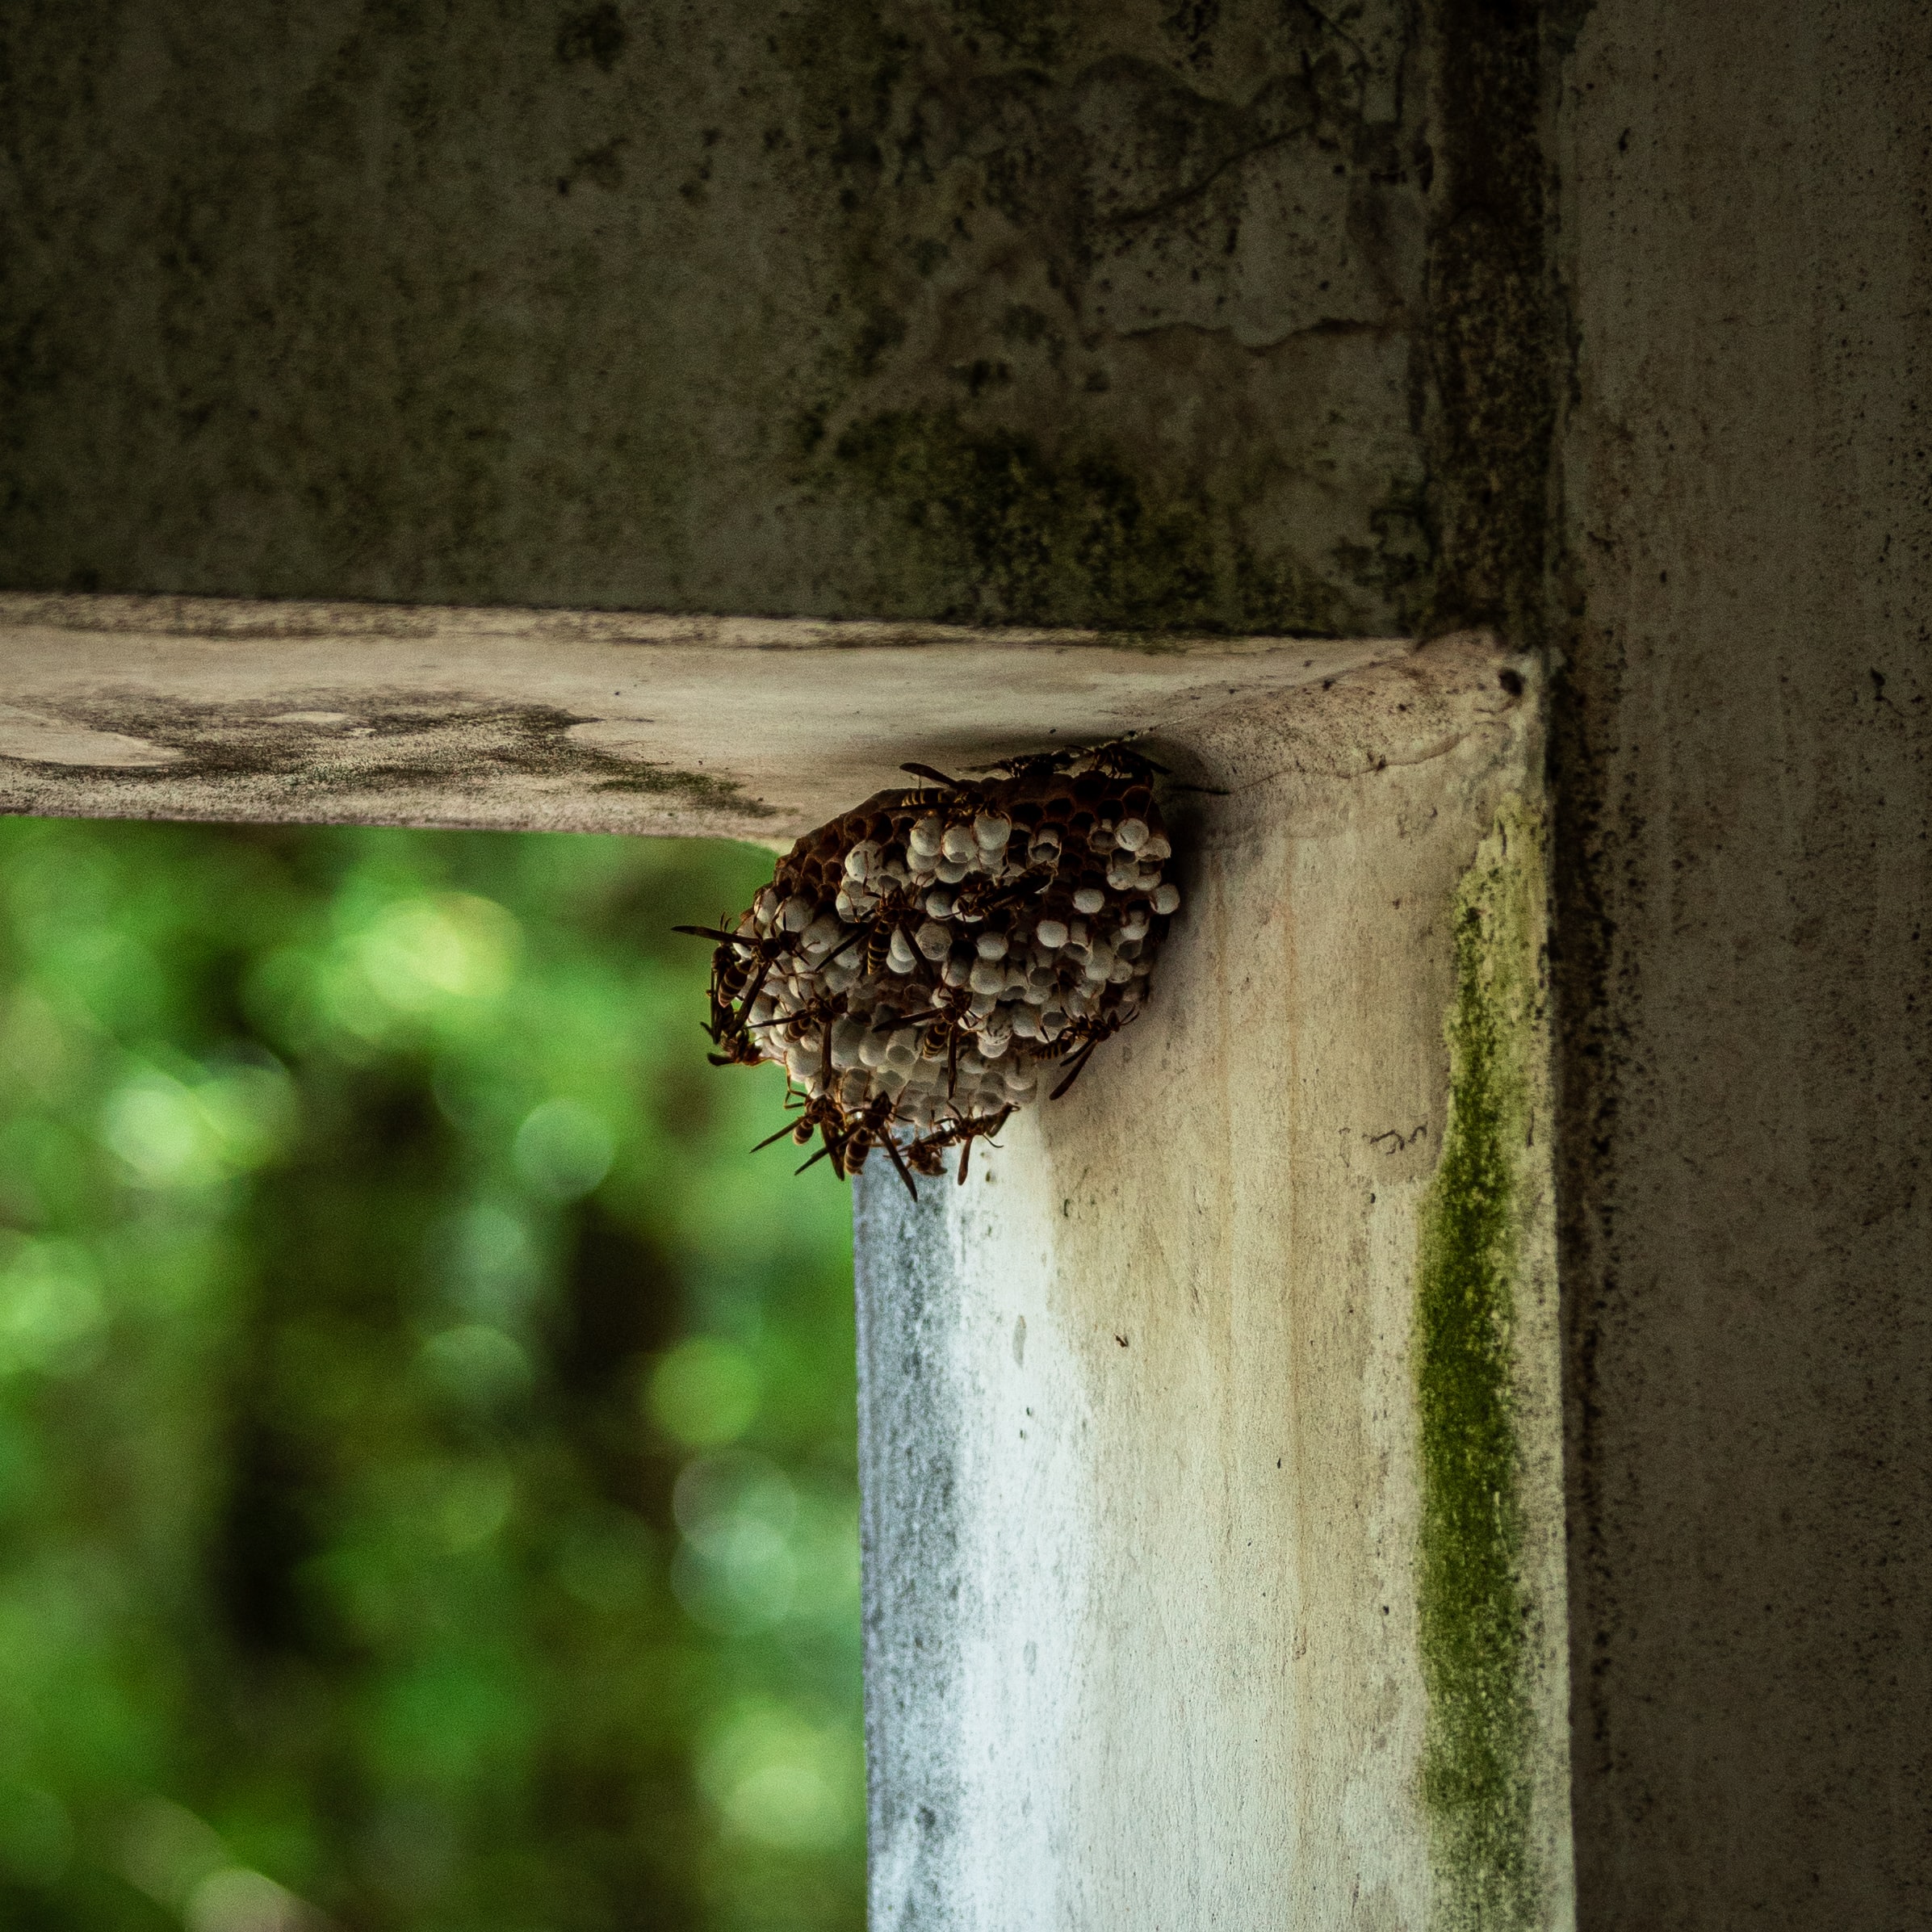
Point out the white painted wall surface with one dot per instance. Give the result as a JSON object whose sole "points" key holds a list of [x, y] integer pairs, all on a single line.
{"points": [[1139, 1425]]}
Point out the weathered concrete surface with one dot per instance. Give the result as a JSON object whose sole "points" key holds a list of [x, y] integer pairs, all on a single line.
{"points": [[1227, 319], [991, 310], [160, 707], [1745, 777], [1180, 1604]]}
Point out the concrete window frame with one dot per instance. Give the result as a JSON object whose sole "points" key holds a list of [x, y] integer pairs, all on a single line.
{"points": [[1177, 1599]]}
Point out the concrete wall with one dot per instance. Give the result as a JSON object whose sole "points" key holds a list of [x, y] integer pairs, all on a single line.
{"points": [[568, 720], [707, 307], [1213, 1519], [1744, 780], [1601, 325]]}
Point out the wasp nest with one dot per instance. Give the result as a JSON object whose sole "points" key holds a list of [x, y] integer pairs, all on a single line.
{"points": [[928, 962]]}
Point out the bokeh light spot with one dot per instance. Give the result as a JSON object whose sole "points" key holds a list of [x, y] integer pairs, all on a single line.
{"points": [[167, 1851], [51, 1310], [478, 1365], [174, 1134], [490, 1261], [703, 1393], [237, 1900], [736, 1570], [418, 953], [562, 1150], [779, 1779]]}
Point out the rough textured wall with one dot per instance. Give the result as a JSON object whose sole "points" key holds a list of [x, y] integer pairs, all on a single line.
{"points": [[1189, 1605], [979, 309], [1745, 779]]}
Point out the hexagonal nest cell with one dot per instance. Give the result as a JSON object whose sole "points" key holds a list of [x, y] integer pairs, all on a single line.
{"points": [[926, 963]]}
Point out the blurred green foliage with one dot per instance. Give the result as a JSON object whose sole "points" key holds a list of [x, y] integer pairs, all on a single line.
{"points": [[427, 1492]]}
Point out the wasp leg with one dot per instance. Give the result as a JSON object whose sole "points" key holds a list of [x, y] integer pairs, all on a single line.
{"points": [[898, 1161], [858, 932], [926, 771], [1077, 1065], [730, 939]]}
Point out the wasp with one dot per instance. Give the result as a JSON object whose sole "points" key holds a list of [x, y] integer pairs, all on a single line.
{"points": [[1079, 1039], [849, 1137], [961, 1132], [735, 990]]}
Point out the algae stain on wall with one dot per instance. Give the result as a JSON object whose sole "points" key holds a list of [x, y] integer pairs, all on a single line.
{"points": [[1484, 1368]]}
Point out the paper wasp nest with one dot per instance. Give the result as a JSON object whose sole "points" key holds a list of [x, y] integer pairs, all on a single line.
{"points": [[930, 961]]}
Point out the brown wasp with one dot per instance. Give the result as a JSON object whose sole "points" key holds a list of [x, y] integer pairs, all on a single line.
{"points": [[1089, 1033], [848, 1137], [961, 1132], [733, 991]]}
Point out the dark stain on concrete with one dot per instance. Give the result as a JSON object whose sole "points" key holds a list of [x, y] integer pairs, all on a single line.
{"points": [[437, 745], [597, 35], [1492, 327]]}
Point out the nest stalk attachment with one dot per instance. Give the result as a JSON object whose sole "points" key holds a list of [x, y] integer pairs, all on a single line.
{"points": [[924, 965]]}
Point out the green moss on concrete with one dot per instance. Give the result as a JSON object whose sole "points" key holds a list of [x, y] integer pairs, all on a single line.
{"points": [[1024, 30], [1475, 1608], [1034, 538], [1398, 560], [696, 788], [1084, 540]]}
